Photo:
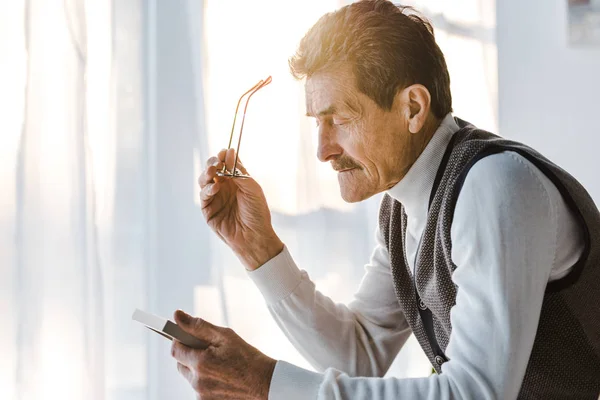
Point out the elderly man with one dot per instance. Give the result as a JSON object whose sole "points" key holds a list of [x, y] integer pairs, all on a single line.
{"points": [[486, 251]]}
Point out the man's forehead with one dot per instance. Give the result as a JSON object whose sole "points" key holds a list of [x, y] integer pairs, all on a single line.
{"points": [[319, 98], [326, 93]]}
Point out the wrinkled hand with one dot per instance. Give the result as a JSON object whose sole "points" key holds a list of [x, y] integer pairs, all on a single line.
{"points": [[236, 209], [228, 369]]}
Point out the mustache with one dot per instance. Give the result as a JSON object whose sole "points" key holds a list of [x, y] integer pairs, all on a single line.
{"points": [[344, 163]]}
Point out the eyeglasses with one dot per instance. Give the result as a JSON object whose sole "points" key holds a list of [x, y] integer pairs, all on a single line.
{"points": [[235, 172]]}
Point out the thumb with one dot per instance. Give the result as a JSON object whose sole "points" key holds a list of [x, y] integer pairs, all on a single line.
{"points": [[198, 327]]}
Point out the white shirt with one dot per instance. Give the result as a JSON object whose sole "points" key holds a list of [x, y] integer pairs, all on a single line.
{"points": [[512, 233]]}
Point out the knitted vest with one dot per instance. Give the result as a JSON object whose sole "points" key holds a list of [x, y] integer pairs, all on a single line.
{"points": [[565, 360]]}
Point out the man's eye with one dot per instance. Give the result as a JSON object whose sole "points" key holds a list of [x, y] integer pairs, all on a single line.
{"points": [[330, 122], [327, 122]]}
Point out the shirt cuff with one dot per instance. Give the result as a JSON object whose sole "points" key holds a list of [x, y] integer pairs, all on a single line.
{"points": [[278, 277], [290, 382]]}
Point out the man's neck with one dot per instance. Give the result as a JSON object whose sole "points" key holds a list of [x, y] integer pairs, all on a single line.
{"points": [[420, 141], [415, 186], [424, 136]]}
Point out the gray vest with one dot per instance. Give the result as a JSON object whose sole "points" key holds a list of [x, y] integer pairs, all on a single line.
{"points": [[565, 360]]}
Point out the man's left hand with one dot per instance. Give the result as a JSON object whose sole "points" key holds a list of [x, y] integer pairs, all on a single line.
{"points": [[228, 369]]}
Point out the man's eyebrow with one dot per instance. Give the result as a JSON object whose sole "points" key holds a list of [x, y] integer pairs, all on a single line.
{"points": [[327, 111]]}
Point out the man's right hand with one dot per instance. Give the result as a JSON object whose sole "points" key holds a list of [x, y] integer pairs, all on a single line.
{"points": [[236, 209]]}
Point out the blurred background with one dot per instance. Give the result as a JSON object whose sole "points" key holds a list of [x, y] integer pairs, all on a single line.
{"points": [[108, 111]]}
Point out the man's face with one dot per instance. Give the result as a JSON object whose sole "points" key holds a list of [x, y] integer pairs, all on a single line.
{"points": [[369, 147]]}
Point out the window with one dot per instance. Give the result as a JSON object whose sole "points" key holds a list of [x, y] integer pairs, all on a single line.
{"points": [[98, 213]]}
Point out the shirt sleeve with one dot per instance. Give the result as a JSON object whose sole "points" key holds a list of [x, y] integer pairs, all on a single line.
{"points": [[361, 338], [504, 238]]}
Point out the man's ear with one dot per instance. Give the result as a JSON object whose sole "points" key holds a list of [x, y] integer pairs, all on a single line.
{"points": [[415, 102]]}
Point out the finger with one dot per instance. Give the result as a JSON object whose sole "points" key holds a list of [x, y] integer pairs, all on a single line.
{"points": [[221, 155], [199, 328], [209, 174], [212, 161], [185, 371], [209, 191], [185, 355], [230, 161]]}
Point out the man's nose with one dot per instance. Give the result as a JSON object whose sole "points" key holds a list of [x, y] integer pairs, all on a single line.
{"points": [[328, 148]]}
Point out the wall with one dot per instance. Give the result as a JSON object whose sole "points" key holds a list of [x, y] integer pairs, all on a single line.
{"points": [[549, 93]]}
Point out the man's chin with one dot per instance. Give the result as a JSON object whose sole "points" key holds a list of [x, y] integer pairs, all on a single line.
{"points": [[353, 196], [350, 199], [353, 188]]}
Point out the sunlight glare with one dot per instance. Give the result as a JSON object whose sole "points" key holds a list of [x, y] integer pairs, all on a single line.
{"points": [[61, 366], [246, 44]]}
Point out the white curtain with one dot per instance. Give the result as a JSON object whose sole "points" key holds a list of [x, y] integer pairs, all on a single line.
{"points": [[52, 267], [108, 110], [73, 259]]}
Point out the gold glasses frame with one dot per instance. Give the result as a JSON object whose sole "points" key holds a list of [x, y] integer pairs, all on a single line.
{"points": [[235, 172]]}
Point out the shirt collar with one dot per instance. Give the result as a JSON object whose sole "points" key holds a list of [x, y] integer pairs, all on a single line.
{"points": [[414, 189]]}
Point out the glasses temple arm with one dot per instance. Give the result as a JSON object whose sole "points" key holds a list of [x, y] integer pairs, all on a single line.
{"points": [[260, 85]]}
